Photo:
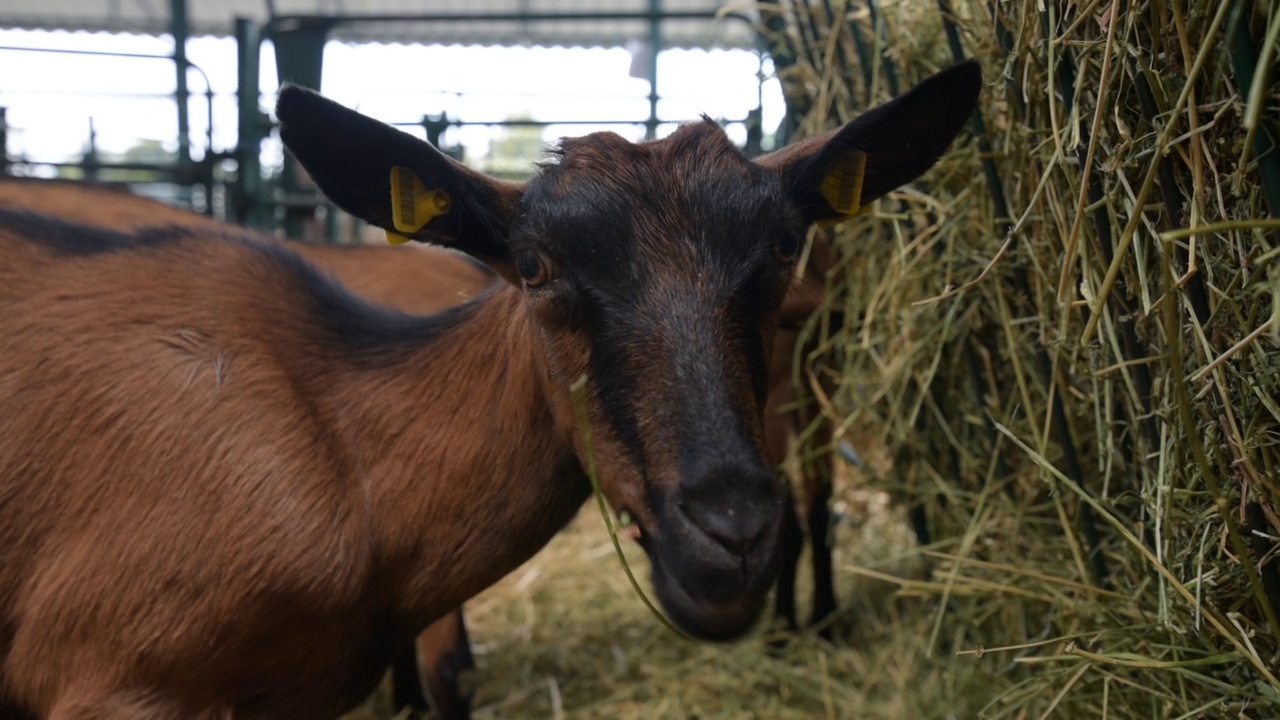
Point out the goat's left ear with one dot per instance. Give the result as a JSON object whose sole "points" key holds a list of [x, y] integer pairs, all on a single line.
{"points": [[396, 181], [833, 175]]}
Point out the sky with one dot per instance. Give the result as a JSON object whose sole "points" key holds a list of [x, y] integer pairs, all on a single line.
{"points": [[52, 98]]}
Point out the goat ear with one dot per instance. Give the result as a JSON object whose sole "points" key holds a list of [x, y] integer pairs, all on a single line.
{"points": [[396, 181], [833, 175]]}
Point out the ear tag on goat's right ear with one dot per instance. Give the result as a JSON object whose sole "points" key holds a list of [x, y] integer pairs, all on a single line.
{"points": [[842, 186], [413, 205]]}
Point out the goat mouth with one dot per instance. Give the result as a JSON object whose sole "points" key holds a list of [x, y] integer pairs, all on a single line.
{"points": [[717, 621], [705, 588], [627, 526]]}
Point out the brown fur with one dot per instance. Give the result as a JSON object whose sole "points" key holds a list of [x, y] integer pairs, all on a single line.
{"points": [[105, 205], [414, 278], [445, 653], [417, 278]]}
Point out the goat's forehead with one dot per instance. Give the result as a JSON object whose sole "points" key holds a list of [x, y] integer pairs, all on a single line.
{"points": [[693, 190], [699, 151], [705, 134]]}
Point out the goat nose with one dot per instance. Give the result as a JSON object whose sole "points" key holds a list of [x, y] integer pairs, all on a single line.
{"points": [[733, 504]]}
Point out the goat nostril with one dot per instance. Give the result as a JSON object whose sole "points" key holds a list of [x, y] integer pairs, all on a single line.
{"points": [[733, 506], [722, 531]]}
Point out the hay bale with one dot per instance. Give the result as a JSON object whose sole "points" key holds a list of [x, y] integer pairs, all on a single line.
{"points": [[1069, 347]]}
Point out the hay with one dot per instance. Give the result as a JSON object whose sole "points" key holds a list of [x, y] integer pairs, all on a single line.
{"points": [[1083, 397]]}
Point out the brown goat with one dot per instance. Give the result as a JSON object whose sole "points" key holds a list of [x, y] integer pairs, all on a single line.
{"points": [[228, 488], [427, 279]]}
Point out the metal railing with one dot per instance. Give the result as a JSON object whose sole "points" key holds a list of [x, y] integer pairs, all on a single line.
{"points": [[183, 172]]}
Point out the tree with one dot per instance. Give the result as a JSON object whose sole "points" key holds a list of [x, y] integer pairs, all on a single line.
{"points": [[513, 154]]}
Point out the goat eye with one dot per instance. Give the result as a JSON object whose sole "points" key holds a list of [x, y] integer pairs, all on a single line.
{"points": [[787, 247], [532, 268]]}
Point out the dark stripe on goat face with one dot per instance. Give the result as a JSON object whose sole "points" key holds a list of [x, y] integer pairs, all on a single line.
{"points": [[643, 238], [720, 357], [615, 386], [619, 213], [687, 379]]}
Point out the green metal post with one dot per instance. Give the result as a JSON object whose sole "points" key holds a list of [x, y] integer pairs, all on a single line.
{"points": [[300, 60], [655, 46], [178, 28], [773, 37], [246, 195], [4, 142], [434, 126], [90, 161], [300, 50], [755, 132], [331, 230]]}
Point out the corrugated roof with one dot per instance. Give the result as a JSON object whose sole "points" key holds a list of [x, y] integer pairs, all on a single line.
{"points": [[525, 22]]}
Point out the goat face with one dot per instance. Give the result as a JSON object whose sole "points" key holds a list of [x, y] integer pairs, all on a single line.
{"points": [[656, 271]]}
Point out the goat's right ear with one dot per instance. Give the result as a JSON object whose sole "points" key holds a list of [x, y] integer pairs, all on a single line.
{"points": [[396, 181]]}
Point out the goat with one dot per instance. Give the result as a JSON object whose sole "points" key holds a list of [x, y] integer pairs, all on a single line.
{"points": [[428, 279], [229, 488], [425, 279]]}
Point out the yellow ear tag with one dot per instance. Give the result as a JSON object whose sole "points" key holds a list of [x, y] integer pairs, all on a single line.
{"points": [[413, 205], [842, 187]]}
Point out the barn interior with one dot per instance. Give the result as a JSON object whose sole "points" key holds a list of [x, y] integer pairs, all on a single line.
{"points": [[1049, 365]]}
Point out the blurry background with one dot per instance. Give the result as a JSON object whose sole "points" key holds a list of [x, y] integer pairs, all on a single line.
{"points": [[175, 96]]}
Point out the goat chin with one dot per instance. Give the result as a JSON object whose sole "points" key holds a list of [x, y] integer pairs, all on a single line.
{"points": [[707, 620]]}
